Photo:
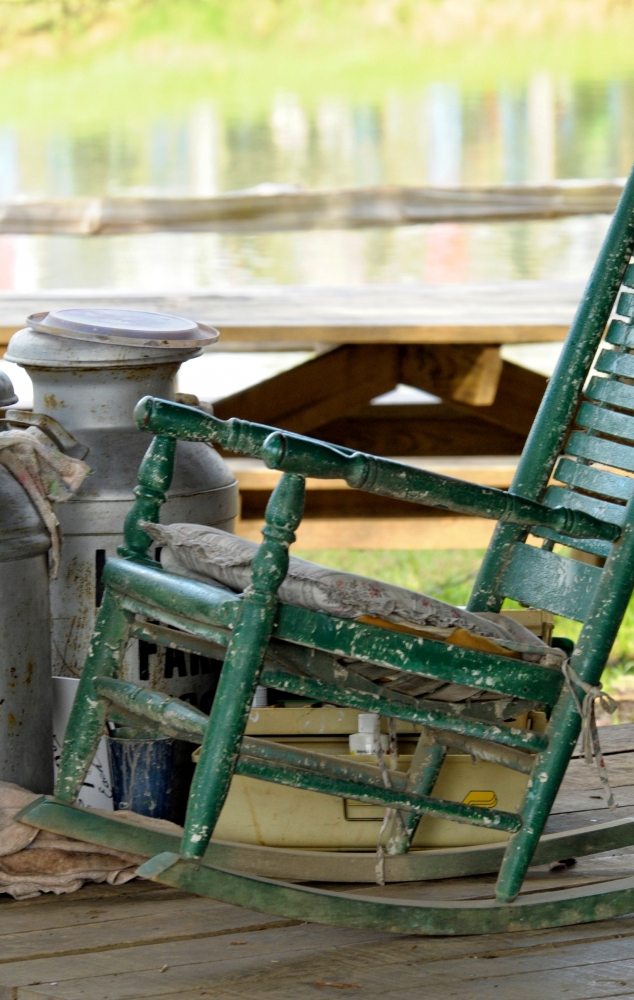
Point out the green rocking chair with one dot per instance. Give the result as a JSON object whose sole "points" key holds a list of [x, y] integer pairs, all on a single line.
{"points": [[583, 436]]}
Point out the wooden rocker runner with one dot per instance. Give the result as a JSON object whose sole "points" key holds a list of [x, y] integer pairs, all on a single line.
{"points": [[583, 437]]}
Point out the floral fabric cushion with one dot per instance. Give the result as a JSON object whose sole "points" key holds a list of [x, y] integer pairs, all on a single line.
{"points": [[209, 553]]}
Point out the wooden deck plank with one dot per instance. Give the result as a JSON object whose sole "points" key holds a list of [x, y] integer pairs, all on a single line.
{"points": [[614, 739], [385, 967], [135, 970], [559, 822], [581, 776], [580, 800], [516, 971], [585, 981], [189, 919], [286, 317], [298, 958], [35, 915], [412, 978]]}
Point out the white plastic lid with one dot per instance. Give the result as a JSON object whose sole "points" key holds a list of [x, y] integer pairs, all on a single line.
{"points": [[129, 327], [367, 721]]}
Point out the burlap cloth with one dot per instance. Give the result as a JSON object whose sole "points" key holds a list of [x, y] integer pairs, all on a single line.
{"points": [[47, 475], [33, 861]]}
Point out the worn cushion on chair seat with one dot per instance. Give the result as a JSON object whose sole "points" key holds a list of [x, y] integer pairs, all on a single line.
{"points": [[207, 552]]}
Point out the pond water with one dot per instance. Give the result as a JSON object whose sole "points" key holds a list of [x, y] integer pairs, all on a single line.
{"points": [[440, 133]]}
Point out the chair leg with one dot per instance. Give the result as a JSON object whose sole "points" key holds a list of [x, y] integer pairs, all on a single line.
{"points": [[543, 785], [241, 669], [227, 723], [88, 715], [421, 778]]}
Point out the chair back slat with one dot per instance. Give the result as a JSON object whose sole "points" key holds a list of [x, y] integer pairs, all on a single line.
{"points": [[593, 480], [625, 303], [609, 391], [593, 546], [620, 334], [559, 496], [600, 419], [550, 582], [615, 363], [596, 449]]}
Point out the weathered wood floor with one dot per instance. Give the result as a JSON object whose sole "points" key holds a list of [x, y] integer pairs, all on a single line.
{"points": [[142, 941]]}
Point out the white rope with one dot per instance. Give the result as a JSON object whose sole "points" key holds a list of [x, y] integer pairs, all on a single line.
{"points": [[379, 865], [589, 733]]}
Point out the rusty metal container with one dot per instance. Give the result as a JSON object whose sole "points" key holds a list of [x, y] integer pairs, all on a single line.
{"points": [[26, 737], [89, 368]]}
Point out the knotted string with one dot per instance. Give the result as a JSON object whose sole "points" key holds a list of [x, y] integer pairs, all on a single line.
{"points": [[589, 732], [379, 865]]}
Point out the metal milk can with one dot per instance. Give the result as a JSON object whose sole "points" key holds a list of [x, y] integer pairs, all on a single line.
{"points": [[26, 737], [89, 368]]}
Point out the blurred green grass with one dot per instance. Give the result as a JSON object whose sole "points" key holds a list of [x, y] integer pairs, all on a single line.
{"points": [[90, 62], [449, 576]]}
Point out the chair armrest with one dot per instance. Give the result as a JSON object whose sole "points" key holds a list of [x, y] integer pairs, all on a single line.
{"points": [[385, 477], [171, 422], [294, 453], [190, 424]]}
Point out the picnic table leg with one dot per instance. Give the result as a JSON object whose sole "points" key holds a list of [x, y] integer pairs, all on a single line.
{"points": [[242, 666]]}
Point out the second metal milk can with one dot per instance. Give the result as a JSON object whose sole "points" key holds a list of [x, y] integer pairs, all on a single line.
{"points": [[26, 737]]}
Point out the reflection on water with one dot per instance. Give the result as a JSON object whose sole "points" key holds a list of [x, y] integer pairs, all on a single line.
{"points": [[435, 135], [562, 250], [439, 134]]}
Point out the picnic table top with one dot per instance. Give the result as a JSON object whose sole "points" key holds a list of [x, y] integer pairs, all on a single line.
{"points": [[285, 317]]}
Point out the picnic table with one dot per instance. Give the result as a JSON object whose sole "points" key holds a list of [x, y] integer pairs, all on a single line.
{"points": [[443, 339]]}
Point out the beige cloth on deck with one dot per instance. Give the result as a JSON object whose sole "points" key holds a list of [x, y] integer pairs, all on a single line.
{"points": [[34, 861]]}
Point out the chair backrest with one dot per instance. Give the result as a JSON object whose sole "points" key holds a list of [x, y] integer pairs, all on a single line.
{"points": [[583, 436]]}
